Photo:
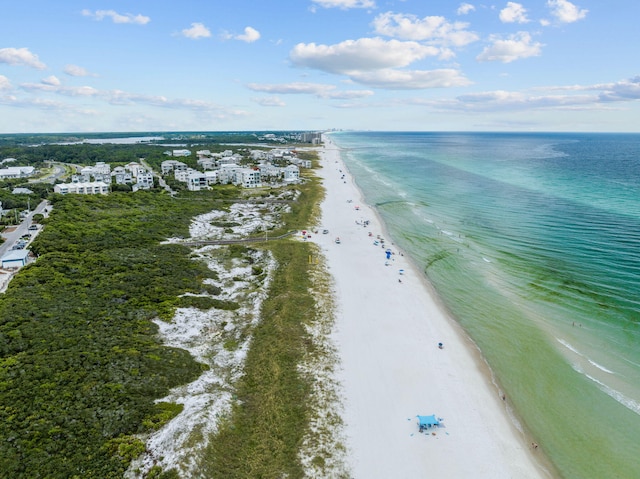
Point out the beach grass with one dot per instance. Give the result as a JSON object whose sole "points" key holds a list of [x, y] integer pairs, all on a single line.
{"points": [[264, 432]]}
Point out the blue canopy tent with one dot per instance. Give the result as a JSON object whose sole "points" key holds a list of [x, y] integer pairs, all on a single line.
{"points": [[428, 421]]}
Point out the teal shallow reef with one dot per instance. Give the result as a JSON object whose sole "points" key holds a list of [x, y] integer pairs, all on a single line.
{"points": [[532, 242]]}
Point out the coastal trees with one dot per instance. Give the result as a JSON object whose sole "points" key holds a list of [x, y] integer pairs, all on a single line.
{"points": [[80, 365]]}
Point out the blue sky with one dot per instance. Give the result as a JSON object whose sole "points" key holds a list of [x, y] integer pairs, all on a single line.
{"points": [[544, 65]]}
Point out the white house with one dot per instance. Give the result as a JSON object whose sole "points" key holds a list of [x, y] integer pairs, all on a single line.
{"points": [[102, 168], [196, 181], [16, 172], [230, 160], [168, 166], [212, 177], [134, 168], [269, 172], [15, 258], [207, 163], [291, 173], [93, 188], [248, 178], [227, 173], [144, 180], [181, 152], [302, 163], [258, 155], [121, 176], [183, 175]]}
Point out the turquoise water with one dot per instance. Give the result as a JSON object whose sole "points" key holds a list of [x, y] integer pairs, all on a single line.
{"points": [[533, 243]]}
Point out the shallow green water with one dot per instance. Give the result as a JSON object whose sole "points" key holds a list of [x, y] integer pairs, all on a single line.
{"points": [[533, 242]]}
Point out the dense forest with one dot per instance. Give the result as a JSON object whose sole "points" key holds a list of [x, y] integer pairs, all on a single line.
{"points": [[80, 367]]}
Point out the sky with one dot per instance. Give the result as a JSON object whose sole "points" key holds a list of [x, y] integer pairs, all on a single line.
{"points": [[255, 65]]}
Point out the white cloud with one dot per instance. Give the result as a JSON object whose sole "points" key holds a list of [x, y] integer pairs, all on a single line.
{"points": [[621, 91], [250, 35], [51, 80], [505, 100], [117, 17], [123, 98], [348, 94], [513, 13], [320, 90], [52, 85], [364, 54], [5, 84], [411, 80], [433, 28], [501, 100], [21, 56], [465, 8], [37, 103], [345, 4], [197, 30], [515, 47], [269, 101], [565, 11], [76, 71]]}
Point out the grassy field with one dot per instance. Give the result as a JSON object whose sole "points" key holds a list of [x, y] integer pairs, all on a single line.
{"points": [[265, 431]]}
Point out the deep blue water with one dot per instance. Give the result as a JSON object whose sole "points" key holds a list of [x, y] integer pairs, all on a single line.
{"points": [[533, 243]]}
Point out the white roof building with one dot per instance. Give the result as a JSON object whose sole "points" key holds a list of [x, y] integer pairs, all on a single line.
{"points": [[196, 181], [181, 152], [227, 173], [291, 173], [168, 166], [16, 171], [212, 177], [248, 178], [15, 259], [92, 188]]}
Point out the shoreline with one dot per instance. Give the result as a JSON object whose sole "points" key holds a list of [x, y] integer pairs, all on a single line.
{"points": [[388, 324]]}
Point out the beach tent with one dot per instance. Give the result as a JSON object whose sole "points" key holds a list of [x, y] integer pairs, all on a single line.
{"points": [[428, 421]]}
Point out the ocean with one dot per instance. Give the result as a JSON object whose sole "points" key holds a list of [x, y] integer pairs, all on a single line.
{"points": [[532, 242]]}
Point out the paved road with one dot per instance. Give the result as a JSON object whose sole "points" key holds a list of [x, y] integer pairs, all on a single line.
{"points": [[21, 229]]}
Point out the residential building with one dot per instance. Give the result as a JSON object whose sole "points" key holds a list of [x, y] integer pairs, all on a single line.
{"points": [[291, 174], [181, 153], [196, 181], [248, 178], [121, 176], [168, 166], [227, 173], [207, 163], [212, 177], [92, 188], [144, 181], [16, 172], [15, 258]]}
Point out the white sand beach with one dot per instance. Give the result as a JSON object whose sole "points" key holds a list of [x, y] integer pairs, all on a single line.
{"points": [[388, 326]]}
